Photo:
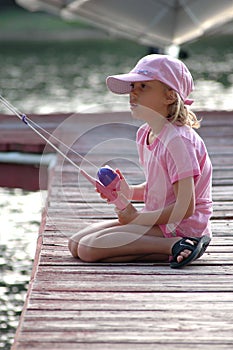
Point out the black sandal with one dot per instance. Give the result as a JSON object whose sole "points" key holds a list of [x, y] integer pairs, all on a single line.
{"points": [[198, 249]]}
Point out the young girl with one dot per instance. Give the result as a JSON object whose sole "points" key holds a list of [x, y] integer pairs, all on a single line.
{"points": [[175, 222]]}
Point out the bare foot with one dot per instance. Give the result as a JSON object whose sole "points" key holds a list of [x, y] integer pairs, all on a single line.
{"points": [[185, 253], [186, 250]]}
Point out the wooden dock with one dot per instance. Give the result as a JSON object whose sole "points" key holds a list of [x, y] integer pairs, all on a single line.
{"points": [[76, 305]]}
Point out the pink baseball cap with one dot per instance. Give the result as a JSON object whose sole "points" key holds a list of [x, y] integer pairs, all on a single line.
{"points": [[164, 68]]}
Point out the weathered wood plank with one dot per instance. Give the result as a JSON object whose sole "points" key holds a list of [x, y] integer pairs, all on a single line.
{"points": [[146, 284], [58, 320], [123, 345], [133, 269], [50, 308], [139, 324], [177, 333]]}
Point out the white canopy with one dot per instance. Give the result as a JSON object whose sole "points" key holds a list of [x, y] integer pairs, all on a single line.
{"points": [[159, 23]]}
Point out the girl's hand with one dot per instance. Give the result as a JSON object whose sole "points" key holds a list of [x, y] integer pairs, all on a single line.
{"points": [[127, 215], [125, 189]]}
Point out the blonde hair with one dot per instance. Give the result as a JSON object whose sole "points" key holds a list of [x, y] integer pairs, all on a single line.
{"points": [[178, 113]]}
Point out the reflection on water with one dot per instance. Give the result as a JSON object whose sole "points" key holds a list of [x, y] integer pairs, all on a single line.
{"points": [[63, 77], [20, 218], [211, 63], [70, 77]]}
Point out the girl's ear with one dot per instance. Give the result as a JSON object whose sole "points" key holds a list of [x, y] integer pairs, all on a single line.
{"points": [[171, 96]]}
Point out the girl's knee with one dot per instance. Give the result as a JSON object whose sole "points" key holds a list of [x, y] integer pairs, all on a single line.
{"points": [[73, 247], [87, 252], [81, 248], [73, 243]]}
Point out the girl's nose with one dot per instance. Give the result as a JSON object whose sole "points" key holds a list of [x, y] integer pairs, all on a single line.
{"points": [[134, 90], [132, 97]]}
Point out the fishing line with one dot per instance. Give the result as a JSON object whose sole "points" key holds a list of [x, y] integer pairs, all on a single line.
{"points": [[108, 182], [26, 120]]}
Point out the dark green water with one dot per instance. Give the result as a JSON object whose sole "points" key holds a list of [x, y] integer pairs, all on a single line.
{"points": [[48, 77], [68, 77]]}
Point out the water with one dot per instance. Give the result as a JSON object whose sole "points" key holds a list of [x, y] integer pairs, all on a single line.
{"points": [[20, 219], [70, 77], [45, 78]]}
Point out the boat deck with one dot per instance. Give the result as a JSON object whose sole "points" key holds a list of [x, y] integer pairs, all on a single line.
{"points": [[75, 305]]}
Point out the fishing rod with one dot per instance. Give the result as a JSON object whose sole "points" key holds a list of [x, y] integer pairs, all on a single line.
{"points": [[108, 182]]}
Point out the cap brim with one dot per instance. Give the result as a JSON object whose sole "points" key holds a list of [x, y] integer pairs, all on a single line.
{"points": [[120, 84]]}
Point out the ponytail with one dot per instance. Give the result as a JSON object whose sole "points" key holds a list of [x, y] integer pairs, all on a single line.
{"points": [[181, 115]]}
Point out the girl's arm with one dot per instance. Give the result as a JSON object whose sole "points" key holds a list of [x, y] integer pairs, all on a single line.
{"points": [[137, 192], [182, 208]]}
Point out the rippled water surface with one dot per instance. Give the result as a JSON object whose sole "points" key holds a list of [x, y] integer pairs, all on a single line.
{"points": [[20, 219], [70, 77]]}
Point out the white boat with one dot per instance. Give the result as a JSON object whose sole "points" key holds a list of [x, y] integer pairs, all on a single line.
{"points": [[151, 22]]}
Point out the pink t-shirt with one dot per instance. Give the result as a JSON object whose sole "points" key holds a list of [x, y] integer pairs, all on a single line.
{"points": [[177, 153]]}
